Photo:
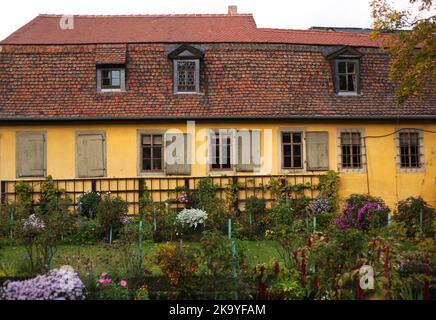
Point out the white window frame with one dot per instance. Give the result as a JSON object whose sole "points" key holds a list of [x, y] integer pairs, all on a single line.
{"points": [[176, 78], [139, 134], [233, 156]]}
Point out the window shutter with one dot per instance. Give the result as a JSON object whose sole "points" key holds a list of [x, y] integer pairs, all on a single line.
{"points": [[180, 142], [248, 149], [317, 150], [91, 155], [31, 154]]}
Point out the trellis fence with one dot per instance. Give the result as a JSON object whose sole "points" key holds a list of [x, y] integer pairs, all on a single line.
{"points": [[165, 188]]}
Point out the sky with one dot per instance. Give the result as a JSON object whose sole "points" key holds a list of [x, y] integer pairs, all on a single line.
{"points": [[292, 14]]}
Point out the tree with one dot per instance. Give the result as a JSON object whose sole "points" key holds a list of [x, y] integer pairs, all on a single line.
{"points": [[410, 43]]}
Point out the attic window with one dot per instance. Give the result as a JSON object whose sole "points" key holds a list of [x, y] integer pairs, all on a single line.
{"points": [[110, 78], [186, 76], [346, 69], [186, 67], [346, 72]]}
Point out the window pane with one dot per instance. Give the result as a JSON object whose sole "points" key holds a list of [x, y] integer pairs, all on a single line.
{"points": [[146, 152], [186, 76], [286, 137], [146, 139], [345, 138], [350, 67], [157, 139], [297, 150], [157, 152], [146, 164], [342, 67], [296, 137], [287, 162], [351, 85], [297, 162], [287, 151], [342, 82], [356, 138], [157, 164]]}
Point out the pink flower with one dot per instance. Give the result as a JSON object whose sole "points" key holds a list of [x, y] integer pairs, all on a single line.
{"points": [[106, 282], [104, 274], [123, 283], [101, 281]]}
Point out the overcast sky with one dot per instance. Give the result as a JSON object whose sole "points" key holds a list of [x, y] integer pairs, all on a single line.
{"points": [[297, 14]]}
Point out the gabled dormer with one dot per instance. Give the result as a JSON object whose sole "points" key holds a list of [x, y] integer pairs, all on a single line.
{"points": [[345, 62]]}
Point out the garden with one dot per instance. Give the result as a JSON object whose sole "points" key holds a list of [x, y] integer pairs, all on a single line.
{"points": [[295, 248]]}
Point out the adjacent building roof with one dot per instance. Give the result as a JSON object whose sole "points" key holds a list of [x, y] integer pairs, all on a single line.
{"points": [[202, 28]]}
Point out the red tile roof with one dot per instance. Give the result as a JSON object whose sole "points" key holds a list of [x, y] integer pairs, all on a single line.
{"points": [[204, 28]]}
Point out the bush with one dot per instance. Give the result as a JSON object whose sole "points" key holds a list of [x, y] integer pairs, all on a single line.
{"points": [[253, 223], [88, 232], [363, 212], [409, 213], [110, 214], [88, 204], [59, 284], [329, 188], [179, 264]]}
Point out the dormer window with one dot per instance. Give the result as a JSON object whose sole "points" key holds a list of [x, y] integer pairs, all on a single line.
{"points": [[346, 76], [111, 78], [186, 67], [187, 76], [345, 63]]}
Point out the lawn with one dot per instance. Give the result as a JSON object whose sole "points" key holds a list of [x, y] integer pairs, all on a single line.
{"points": [[103, 257]]}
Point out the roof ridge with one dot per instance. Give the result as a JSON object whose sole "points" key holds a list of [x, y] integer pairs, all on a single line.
{"points": [[176, 15], [329, 32]]}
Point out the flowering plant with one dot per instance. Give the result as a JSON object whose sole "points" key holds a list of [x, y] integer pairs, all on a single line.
{"points": [[58, 284], [192, 217], [363, 215], [320, 205], [110, 289], [88, 203], [183, 198], [33, 224]]}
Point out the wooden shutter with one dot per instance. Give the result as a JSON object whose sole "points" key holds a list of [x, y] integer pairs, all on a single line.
{"points": [[31, 154], [317, 150], [179, 141], [91, 155], [253, 153]]}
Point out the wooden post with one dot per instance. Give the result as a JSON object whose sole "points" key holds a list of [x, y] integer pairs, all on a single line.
{"points": [[93, 186], [420, 220], [140, 244], [2, 192]]}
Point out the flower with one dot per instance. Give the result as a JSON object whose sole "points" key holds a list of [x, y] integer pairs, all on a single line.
{"points": [[33, 222], [58, 284], [104, 274], [183, 198], [320, 205], [123, 283], [191, 217]]}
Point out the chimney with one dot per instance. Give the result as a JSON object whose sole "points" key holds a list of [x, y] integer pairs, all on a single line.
{"points": [[233, 10]]}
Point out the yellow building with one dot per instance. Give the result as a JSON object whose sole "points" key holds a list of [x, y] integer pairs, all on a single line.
{"points": [[102, 111]]}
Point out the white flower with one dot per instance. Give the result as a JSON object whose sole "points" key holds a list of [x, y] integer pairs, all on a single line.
{"points": [[192, 217]]}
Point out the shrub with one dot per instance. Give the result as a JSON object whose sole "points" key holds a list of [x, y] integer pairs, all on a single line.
{"points": [[88, 232], [282, 213], [409, 211], [363, 212], [58, 284], [253, 223], [221, 266], [179, 264], [110, 214], [205, 198], [88, 204], [191, 218], [110, 288]]}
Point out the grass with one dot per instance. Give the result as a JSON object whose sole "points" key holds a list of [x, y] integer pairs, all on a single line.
{"points": [[102, 258]]}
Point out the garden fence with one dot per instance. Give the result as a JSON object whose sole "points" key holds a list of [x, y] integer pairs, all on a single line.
{"points": [[166, 188]]}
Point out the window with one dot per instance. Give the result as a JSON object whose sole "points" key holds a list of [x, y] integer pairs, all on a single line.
{"points": [[292, 150], [90, 154], [31, 154], [410, 149], [110, 79], [351, 150], [186, 76], [221, 150], [151, 152], [346, 76]]}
